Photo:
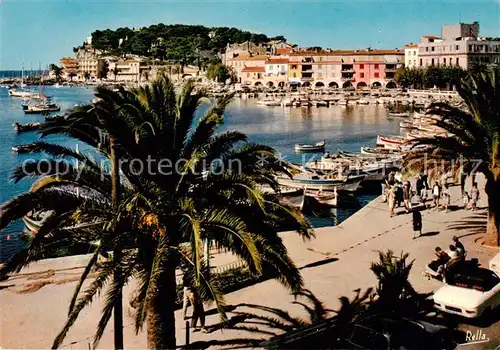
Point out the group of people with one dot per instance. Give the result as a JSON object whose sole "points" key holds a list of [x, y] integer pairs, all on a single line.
{"points": [[397, 192], [456, 252]]}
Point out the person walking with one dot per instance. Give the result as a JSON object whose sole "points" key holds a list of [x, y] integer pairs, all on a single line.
{"points": [[474, 195], [447, 197], [466, 200], [421, 192], [399, 193], [417, 223], [392, 200], [198, 310], [407, 196], [436, 193]]}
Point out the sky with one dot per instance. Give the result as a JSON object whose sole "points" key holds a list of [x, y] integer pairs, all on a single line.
{"points": [[33, 31]]}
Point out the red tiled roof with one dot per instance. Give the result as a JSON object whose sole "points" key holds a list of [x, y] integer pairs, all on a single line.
{"points": [[347, 52], [411, 46], [249, 58], [431, 37], [277, 60], [254, 69], [283, 51]]}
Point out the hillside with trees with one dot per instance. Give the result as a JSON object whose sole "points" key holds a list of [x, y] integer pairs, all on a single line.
{"points": [[181, 43]]}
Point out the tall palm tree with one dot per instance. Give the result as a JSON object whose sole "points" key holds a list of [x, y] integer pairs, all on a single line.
{"points": [[476, 130], [163, 213]]}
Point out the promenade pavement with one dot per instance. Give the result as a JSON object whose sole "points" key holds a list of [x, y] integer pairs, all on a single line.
{"points": [[334, 264]]}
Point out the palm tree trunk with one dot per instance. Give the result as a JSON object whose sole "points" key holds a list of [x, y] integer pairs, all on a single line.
{"points": [[161, 310], [493, 229], [115, 199]]}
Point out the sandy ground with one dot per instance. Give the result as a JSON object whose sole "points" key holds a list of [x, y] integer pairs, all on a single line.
{"points": [[34, 304]]}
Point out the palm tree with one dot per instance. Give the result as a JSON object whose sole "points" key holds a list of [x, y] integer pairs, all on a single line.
{"points": [[476, 130], [57, 71], [393, 285], [86, 76], [165, 215]]}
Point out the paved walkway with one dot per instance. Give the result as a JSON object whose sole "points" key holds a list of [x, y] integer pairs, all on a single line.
{"points": [[334, 264]]}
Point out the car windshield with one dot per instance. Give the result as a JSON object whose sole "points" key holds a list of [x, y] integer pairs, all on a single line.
{"points": [[479, 279], [368, 338]]}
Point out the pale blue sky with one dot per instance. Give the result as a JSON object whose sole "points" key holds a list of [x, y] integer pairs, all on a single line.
{"points": [[45, 30]]}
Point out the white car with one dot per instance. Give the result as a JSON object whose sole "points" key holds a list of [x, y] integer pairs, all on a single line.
{"points": [[469, 293]]}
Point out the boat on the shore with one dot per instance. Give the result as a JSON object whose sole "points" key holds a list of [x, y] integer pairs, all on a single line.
{"points": [[317, 147], [393, 141], [379, 151], [399, 115], [19, 148]]}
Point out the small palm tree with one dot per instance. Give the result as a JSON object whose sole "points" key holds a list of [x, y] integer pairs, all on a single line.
{"points": [[476, 130], [393, 285]]}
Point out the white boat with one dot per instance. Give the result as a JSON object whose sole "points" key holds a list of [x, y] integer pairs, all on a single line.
{"points": [[404, 124], [291, 196], [269, 102], [20, 93], [379, 151], [399, 115], [316, 182], [325, 198], [317, 147]]}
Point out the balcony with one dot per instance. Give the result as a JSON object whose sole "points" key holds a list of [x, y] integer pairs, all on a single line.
{"points": [[348, 79], [347, 70], [391, 70], [309, 79]]}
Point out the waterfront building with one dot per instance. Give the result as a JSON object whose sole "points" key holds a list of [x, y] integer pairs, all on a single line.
{"points": [[69, 66], [345, 68], [276, 71], [89, 61], [238, 63], [411, 56], [129, 70], [459, 45]]}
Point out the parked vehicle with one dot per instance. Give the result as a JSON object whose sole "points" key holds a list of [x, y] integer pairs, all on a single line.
{"points": [[469, 292]]}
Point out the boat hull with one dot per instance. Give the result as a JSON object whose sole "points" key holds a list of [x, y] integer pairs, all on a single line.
{"points": [[351, 184]]}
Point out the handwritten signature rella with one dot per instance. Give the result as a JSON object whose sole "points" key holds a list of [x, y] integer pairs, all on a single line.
{"points": [[476, 337]]}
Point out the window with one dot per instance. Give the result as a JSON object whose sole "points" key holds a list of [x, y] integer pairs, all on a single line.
{"points": [[432, 48], [376, 75], [361, 75], [458, 61], [444, 61], [320, 58], [426, 49], [295, 75], [432, 62], [470, 48], [376, 66], [319, 75], [294, 66], [420, 62], [361, 66], [450, 61]]}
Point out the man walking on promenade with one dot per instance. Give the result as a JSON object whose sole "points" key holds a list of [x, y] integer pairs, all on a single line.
{"points": [[436, 193], [406, 196], [474, 196], [417, 223]]}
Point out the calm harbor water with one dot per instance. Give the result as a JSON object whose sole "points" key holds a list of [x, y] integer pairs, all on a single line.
{"points": [[343, 128]]}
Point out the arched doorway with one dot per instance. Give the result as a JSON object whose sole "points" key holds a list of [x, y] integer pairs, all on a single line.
{"points": [[306, 84], [376, 85], [281, 84], [319, 84], [270, 84], [258, 83], [347, 85], [391, 85], [361, 85], [333, 85]]}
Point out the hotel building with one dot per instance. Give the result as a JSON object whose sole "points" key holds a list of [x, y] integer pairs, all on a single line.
{"points": [[458, 45], [88, 62], [336, 69]]}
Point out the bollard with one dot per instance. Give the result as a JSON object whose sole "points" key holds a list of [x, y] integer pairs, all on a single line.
{"points": [[187, 333]]}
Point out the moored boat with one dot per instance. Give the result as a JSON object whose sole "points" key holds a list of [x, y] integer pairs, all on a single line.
{"points": [[379, 151], [27, 127], [317, 147], [325, 198], [399, 115], [390, 141], [316, 182]]}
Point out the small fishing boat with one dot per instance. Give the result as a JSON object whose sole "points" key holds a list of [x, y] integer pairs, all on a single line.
{"points": [[291, 196], [317, 147], [269, 102], [326, 198], [390, 141], [42, 108], [27, 127], [379, 151], [406, 124], [20, 93], [324, 183], [19, 148], [399, 115]]}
